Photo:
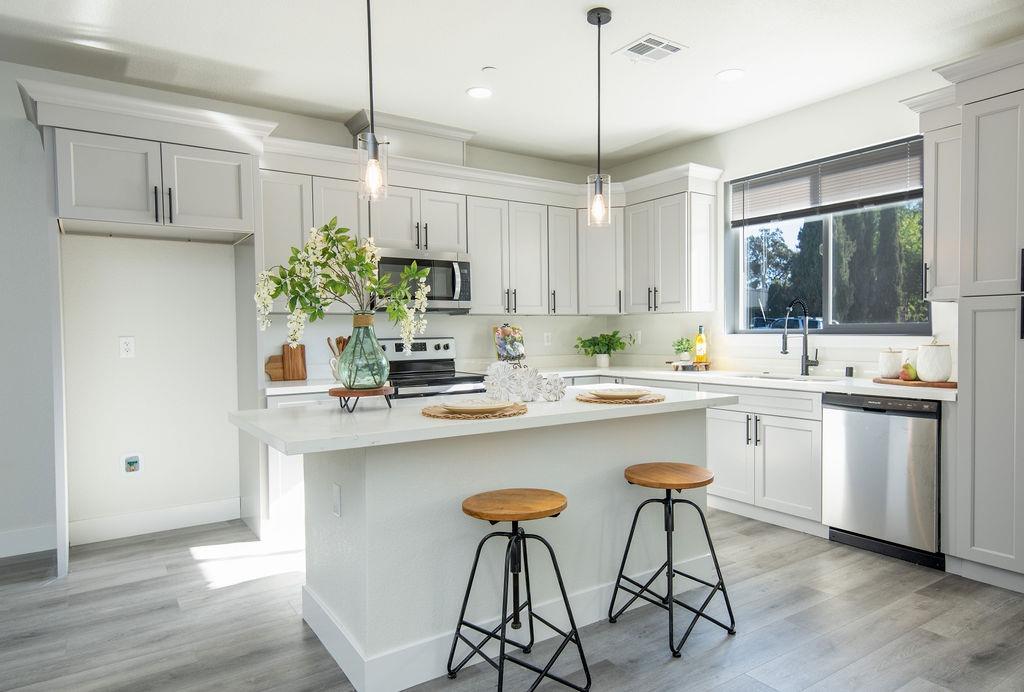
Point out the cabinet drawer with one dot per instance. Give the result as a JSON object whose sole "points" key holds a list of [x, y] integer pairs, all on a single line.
{"points": [[772, 402]]}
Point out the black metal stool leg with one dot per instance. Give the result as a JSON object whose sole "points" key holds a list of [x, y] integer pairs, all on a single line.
{"points": [[612, 615], [513, 543], [731, 629], [529, 598], [670, 571], [452, 671]]}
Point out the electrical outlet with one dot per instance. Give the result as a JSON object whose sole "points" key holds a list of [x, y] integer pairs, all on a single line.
{"points": [[131, 464], [547, 338], [638, 337], [336, 500], [126, 346]]}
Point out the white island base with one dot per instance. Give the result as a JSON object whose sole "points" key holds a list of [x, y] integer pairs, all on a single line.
{"points": [[388, 549]]}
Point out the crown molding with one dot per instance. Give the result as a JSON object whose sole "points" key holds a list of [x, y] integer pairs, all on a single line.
{"points": [[386, 121], [310, 150], [683, 172], [482, 175], [1000, 57], [58, 105], [931, 100]]}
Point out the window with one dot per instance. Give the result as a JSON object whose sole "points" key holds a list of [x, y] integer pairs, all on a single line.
{"points": [[843, 234]]}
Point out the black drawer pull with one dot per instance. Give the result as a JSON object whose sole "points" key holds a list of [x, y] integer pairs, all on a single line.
{"points": [[156, 203]]}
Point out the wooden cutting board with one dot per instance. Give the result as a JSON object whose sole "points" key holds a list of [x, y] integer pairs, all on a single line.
{"points": [[914, 383]]}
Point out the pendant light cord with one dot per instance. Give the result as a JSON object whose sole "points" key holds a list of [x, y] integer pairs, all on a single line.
{"points": [[369, 60], [599, 98]]}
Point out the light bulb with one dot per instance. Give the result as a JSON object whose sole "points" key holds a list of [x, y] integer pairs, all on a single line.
{"points": [[598, 209], [374, 177]]}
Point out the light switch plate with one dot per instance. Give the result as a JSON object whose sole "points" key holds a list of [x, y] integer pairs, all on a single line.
{"points": [[336, 500], [126, 346], [547, 338]]}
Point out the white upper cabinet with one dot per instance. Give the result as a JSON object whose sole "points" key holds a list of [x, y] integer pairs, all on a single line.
{"points": [[990, 434], [339, 198], [700, 253], [562, 261], [287, 214], [395, 220], [639, 236], [942, 213], [106, 178], [206, 188], [443, 216], [528, 257], [601, 264], [670, 256], [487, 230], [992, 241], [409, 219]]}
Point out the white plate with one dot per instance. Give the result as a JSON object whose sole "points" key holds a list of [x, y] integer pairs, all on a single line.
{"points": [[619, 393], [476, 406]]}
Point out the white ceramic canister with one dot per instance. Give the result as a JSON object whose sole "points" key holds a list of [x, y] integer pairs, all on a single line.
{"points": [[934, 362], [909, 356], [889, 363]]}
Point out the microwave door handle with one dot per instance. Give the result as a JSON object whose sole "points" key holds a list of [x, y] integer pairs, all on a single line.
{"points": [[458, 281]]}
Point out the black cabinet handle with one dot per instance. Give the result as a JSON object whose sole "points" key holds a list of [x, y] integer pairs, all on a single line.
{"points": [[924, 279], [757, 423], [1022, 318], [648, 299], [655, 298], [748, 428], [417, 235], [554, 303], [170, 205], [1022, 269], [620, 300], [156, 203], [515, 300], [426, 235], [508, 300]]}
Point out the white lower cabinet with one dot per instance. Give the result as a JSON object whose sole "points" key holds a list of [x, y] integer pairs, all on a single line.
{"points": [[990, 433], [772, 462], [787, 465]]}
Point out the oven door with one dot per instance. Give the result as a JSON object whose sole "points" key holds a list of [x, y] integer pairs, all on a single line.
{"points": [[448, 277]]}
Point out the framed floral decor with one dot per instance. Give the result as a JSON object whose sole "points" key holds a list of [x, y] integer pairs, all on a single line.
{"points": [[509, 343]]}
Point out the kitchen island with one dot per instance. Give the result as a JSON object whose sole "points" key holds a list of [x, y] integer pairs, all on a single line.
{"points": [[388, 548]]}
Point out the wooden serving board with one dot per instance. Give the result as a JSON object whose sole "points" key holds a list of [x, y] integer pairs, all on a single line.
{"points": [[914, 383]]}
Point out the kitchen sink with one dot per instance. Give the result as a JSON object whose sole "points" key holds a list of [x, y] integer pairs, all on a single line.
{"points": [[788, 378]]}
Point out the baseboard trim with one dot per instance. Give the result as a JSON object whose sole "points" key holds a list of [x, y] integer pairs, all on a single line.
{"points": [[986, 574], [769, 516], [425, 660], [31, 539], [150, 521]]}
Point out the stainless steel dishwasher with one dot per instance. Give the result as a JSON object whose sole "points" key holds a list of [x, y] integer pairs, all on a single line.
{"points": [[880, 475]]}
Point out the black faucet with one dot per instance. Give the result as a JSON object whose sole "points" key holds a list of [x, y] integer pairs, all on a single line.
{"points": [[805, 363]]}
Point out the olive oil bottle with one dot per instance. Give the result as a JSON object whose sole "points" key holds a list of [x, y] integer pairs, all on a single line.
{"points": [[700, 346]]}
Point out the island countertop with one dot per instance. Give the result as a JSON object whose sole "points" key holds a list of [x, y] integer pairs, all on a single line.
{"points": [[303, 430]]}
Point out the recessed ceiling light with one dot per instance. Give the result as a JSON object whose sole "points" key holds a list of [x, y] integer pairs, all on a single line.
{"points": [[479, 92], [730, 75]]}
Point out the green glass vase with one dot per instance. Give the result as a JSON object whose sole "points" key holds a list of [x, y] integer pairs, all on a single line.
{"points": [[362, 364]]}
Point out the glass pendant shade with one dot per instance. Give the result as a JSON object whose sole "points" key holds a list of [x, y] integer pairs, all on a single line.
{"points": [[373, 167], [599, 199]]}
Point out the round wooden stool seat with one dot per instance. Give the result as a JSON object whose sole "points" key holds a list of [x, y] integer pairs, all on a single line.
{"points": [[669, 476], [514, 504]]}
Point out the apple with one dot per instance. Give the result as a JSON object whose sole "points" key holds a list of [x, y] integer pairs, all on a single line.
{"points": [[908, 372]]}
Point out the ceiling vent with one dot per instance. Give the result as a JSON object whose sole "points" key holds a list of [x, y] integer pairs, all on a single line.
{"points": [[650, 48]]}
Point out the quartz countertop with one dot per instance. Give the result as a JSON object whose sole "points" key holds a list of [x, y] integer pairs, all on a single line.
{"points": [[305, 430], [814, 383]]}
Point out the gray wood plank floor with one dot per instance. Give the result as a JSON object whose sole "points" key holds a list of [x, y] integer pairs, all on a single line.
{"points": [[211, 608]]}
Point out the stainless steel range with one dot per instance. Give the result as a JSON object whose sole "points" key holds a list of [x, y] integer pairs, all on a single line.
{"points": [[428, 369]]}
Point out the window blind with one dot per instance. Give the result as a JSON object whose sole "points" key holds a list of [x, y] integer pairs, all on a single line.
{"points": [[871, 176]]}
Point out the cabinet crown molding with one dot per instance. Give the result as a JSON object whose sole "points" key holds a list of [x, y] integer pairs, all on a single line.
{"points": [[682, 172], [386, 121], [1000, 57], [75, 108], [931, 100]]}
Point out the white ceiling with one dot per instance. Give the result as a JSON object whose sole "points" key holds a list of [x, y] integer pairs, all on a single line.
{"points": [[309, 57]]}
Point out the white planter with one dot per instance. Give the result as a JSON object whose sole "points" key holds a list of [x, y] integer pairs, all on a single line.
{"points": [[889, 363], [603, 360], [934, 362]]}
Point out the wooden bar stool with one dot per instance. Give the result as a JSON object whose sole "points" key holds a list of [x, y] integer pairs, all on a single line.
{"points": [[515, 505], [668, 477]]}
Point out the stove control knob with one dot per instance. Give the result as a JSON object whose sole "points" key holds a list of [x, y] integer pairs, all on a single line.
{"points": [[447, 346], [437, 347]]}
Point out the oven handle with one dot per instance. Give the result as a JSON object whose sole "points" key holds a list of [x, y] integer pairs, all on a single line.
{"points": [[458, 281]]}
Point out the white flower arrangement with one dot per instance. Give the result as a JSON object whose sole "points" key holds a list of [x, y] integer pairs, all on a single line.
{"points": [[332, 266], [505, 382]]}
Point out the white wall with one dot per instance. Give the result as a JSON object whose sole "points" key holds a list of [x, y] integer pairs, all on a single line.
{"points": [[850, 121], [169, 403]]}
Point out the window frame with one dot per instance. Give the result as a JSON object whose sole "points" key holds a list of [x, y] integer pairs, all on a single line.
{"points": [[739, 312]]}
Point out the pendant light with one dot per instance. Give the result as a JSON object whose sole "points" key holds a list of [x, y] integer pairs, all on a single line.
{"points": [[599, 185], [373, 151]]}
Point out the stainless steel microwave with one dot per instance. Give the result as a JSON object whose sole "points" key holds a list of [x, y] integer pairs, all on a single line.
{"points": [[449, 276]]}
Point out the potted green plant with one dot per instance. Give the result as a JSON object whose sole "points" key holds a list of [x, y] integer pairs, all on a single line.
{"points": [[334, 267], [683, 347], [602, 346]]}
